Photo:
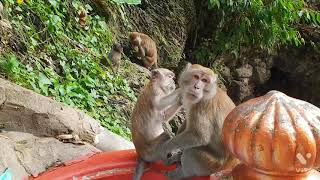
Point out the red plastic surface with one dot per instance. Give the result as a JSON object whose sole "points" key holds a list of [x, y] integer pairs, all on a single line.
{"points": [[116, 165]]}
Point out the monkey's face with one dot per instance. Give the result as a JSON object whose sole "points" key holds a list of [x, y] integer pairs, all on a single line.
{"points": [[135, 48], [198, 83], [117, 47], [135, 41], [164, 79]]}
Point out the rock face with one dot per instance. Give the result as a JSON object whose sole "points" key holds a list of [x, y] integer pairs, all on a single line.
{"points": [[296, 72], [25, 111], [166, 22], [243, 76], [26, 154], [30, 122]]}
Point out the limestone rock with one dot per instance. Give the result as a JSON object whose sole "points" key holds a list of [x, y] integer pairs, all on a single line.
{"points": [[261, 74], [26, 111], [244, 71], [26, 154], [241, 90]]}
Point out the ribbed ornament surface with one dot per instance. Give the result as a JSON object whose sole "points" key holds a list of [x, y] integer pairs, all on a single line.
{"points": [[275, 133]]}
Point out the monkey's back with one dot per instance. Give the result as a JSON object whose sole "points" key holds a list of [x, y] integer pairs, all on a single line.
{"points": [[115, 57], [144, 115], [151, 47], [219, 107]]}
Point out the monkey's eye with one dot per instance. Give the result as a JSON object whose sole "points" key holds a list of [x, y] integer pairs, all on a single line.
{"points": [[196, 77], [205, 80]]}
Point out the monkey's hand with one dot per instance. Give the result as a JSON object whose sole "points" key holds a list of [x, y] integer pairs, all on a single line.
{"points": [[135, 48], [164, 102], [188, 139], [142, 51], [173, 157]]}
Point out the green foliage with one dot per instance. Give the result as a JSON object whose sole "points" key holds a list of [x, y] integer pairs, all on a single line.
{"points": [[62, 58], [135, 2], [259, 24]]}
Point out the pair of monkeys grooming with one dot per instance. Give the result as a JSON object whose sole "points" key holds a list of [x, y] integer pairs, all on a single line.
{"points": [[199, 137], [143, 47]]}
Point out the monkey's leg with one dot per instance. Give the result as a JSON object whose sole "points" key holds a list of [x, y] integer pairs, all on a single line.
{"points": [[176, 174], [198, 162], [146, 62], [139, 169], [118, 65], [150, 155], [155, 153]]}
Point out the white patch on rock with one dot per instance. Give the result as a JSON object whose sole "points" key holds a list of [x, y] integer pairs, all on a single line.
{"points": [[97, 138]]}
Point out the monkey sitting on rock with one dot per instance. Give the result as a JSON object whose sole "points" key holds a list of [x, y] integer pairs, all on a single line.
{"points": [[115, 56], [144, 48]]}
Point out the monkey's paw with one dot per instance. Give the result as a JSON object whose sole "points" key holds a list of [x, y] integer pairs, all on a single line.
{"points": [[173, 157], [175, 174]]}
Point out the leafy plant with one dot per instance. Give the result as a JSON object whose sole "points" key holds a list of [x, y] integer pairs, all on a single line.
{"points": [[62, 59], [258, 24]]}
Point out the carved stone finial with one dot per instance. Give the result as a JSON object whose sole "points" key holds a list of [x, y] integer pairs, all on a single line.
{"points": [[276, 137]]}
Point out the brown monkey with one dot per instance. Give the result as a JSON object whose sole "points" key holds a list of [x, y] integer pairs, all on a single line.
{"points": [[199, 139], [154, 106], [115, 56], [145, 48], [82, 17]]}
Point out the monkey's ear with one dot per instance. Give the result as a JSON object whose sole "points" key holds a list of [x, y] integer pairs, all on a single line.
{"points": [[214, 78], [185, 69], [187, 66]]}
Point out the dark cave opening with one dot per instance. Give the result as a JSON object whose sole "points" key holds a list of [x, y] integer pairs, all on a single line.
{"points": [[294, 85], [279, 81]]}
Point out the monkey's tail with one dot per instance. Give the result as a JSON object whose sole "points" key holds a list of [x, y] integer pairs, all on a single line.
{"points": [[139, 169]]}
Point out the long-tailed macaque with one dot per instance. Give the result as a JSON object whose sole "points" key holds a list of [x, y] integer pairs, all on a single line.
{"points": [[145, 48], [155, 105], [115, 56], [199, 138]]}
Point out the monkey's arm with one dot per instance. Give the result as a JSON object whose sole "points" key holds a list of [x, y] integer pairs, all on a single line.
{"points": [[171, 111], [168, 100], [191, 137], [142, 51]]}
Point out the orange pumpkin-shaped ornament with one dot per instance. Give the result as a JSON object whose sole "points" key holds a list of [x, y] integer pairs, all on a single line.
{"points": [[276, 137]]}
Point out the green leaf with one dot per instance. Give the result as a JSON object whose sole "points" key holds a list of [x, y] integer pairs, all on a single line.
{"points": [[13, 63], [18, 8], [33, 41], [88, 7], [53, 3], [62, 91], [43, 79]]}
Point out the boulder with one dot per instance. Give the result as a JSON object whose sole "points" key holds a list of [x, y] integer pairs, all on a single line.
{"points": [[25, 154], [26, 111]]}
